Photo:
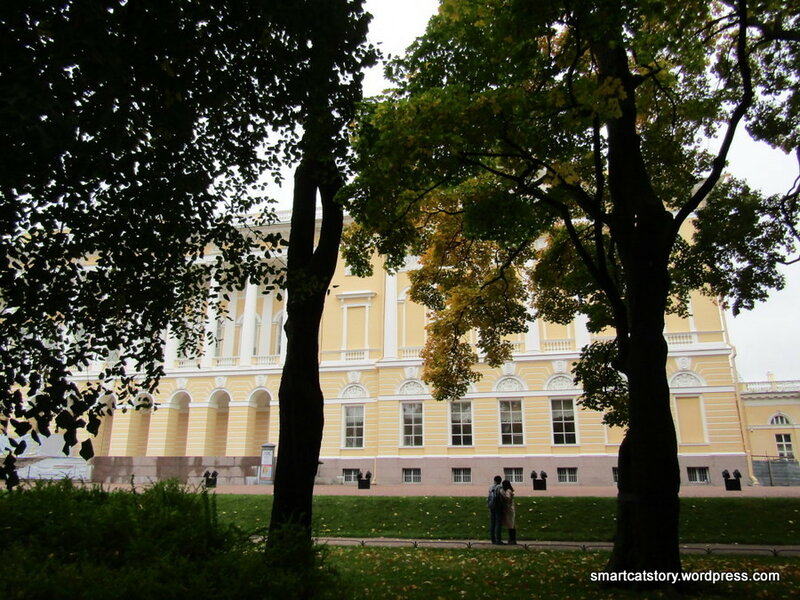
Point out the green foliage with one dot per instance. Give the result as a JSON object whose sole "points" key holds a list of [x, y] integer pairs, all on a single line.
{"points": [[739, 237], [137, 139], [66, 542], [605, 389], [566, 143]]}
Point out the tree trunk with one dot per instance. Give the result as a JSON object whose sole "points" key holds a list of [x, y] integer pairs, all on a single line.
{"points": [[649, 476], [309, 272]]}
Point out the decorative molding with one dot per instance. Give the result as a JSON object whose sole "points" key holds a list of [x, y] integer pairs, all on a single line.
{"points": [[354, 390], [559, 366], [684, 363], [685, 379], [560, 382], [358, 295], [220, 381], [411, 388], [509, 368], [181, 383], [509, 384], [354, 376], [411, 372], [261, 380]]}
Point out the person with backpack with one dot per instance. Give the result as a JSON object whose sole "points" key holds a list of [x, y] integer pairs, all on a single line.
{"points": [[494, 501]]}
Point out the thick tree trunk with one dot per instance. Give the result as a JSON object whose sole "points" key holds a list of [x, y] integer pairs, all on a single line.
{"points": [[643, 230], [649, 477], [309, 272]]}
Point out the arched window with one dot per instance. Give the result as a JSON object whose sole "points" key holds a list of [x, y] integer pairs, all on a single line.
{"points": [[780, 420]]}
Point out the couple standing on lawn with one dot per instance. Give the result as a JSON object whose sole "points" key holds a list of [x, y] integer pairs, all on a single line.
{"points": [[501, 510]]}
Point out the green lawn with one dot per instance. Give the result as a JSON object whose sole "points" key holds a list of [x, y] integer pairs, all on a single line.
{"points": [[408, 573], [723, 520], [58, 542]]}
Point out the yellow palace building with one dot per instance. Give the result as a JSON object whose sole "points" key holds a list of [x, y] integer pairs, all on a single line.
{"points": [[213, 413]]}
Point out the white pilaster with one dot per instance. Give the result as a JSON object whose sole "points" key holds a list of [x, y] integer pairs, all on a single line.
{"points": [[582, 335], [207, 360], [170, 351], [265, 343], [390, 317], [230, 325], [248, 325], [533, 341]]}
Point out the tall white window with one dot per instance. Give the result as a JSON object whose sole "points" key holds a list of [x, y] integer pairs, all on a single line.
{"points": [[511, 422], [256, 335], [784, 442], [461, 423], [220, 341], [412, 423], [563, 421], [354, 426], [277, 332]]}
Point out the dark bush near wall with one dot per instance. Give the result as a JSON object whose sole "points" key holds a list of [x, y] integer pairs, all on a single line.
{"points": [[60, 541]]}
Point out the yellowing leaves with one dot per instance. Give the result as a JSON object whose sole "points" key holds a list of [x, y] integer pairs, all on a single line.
{"points": [[608, 96], [562, 172]]}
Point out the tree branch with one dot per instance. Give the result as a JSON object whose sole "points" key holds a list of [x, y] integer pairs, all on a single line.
{"points": [[738, 114]]}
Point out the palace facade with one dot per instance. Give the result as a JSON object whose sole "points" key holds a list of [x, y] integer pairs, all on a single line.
{"points": [[215, 412]]}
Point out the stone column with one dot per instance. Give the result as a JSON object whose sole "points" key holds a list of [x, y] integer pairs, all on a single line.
{"points": [[533, 341], [170, 351], [207, 360], [247, 340], [582, 335]]}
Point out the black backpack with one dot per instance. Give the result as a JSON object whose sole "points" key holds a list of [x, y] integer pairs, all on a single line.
{"points": [[494, 500]]}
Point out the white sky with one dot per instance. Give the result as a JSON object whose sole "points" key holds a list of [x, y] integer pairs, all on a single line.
{"points": [[767, 339]]}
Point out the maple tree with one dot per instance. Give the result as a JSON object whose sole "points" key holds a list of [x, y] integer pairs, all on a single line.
{"points": [[552, 156]]}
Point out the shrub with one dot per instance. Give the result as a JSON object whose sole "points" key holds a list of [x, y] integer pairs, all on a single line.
{"points": [[63, 541]]}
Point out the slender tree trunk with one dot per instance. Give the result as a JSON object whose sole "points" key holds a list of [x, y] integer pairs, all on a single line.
{"points": [[309, 272]]}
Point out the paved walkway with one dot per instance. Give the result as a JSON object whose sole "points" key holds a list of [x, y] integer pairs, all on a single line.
{"points": [[522, 545]]}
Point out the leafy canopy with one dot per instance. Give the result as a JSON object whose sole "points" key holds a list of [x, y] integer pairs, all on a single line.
{"points": [[526, 143], [137, 137]]}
